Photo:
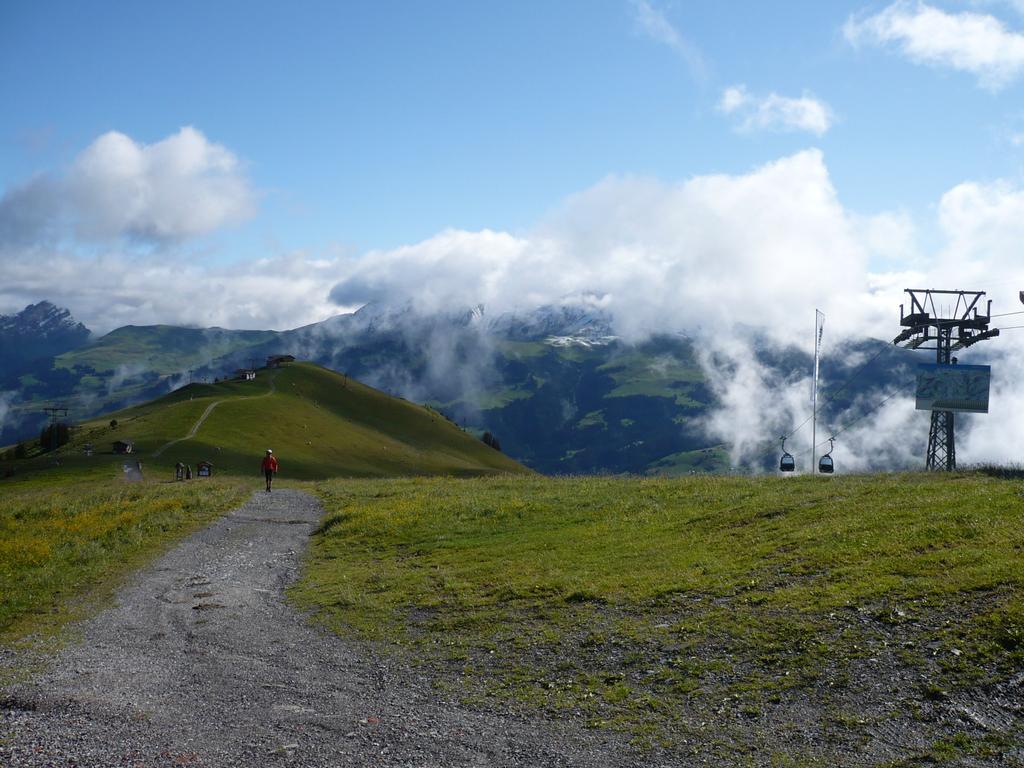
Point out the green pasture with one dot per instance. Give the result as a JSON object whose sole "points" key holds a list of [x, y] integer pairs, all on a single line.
{"points": [[630, 599], [319, 423]]}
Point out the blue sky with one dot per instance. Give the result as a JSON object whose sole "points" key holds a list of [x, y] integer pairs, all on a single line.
{"points": [[373, 124], [319, 151]]}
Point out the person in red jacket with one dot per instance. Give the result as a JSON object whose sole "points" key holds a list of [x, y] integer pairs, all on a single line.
{"points": [[269, 467]]}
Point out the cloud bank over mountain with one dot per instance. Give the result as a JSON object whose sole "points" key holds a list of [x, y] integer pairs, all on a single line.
{"points": [[711, 252], [716, 256], [707, 253]]}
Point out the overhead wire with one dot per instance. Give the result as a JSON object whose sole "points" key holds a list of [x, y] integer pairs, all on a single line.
{"points": [[883, 401], [856, 373], [837, 392], [852, 422]]}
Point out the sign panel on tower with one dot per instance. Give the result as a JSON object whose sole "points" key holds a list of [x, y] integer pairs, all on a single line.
{"points": [[961, 388]]}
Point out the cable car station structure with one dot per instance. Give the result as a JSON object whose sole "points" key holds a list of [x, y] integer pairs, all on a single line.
{"points": [[946, 321]]}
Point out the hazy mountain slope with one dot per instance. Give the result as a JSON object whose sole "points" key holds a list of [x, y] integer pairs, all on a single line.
{"points": [[127, 365], [559, 390], [39, 331], [162, 349]]}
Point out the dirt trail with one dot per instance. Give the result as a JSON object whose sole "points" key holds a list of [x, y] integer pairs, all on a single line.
{"points": [[202, 663], [206, 414]]}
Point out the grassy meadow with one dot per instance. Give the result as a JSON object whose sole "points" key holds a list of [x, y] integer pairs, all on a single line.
{"points": [[320, 424], [64, 546], [633, 602], [70, 524]]}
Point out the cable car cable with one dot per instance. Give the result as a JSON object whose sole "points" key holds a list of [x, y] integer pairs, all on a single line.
{"points": [[856, 373], [862, 416], [832, 397], [867, 413], [845, 384]]}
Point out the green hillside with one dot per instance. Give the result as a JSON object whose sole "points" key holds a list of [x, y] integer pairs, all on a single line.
{"points": [[319, 423], [163, 349]]}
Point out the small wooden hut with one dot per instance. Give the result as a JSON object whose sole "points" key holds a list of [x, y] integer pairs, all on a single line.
{"points": [[274, 361]]}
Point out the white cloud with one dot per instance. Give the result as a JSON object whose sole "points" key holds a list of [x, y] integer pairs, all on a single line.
{"points": [[653, 23], [709, 252], [967, 41], [712, 252], [775, 112], [711, 255], [124, 288], [5, 406], [176, 188]]}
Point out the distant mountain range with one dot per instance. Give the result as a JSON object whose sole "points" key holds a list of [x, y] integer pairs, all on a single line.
{"points": [[555, 384], [39, 331]]}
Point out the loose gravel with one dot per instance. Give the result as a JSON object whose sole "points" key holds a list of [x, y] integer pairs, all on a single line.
{"points": [[202, 663]]}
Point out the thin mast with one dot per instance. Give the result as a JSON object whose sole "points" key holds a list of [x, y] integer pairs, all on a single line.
{"points": [[819, 327]]}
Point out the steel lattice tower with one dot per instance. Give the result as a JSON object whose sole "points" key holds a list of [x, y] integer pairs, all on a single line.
{"points": [[945, 328], [941, 442], [941, 439]]}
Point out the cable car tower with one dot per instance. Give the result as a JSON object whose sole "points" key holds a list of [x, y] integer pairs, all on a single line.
{"points": [[945, 321], [55, 413]]}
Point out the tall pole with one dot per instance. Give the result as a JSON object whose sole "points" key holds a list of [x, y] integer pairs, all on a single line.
{"points": [[819, 326]]}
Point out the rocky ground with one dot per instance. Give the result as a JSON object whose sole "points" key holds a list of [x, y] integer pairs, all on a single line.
{"points": [[202, 663]]}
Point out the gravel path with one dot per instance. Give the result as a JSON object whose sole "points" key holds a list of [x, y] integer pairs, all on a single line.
{"points": [[202, 663]]}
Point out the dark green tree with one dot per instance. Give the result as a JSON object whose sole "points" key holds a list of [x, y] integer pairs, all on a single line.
{"points": [[54, 436]]}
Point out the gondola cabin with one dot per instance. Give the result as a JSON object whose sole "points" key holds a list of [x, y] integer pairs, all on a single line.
{"points": [[787, 463], [825, 465]]}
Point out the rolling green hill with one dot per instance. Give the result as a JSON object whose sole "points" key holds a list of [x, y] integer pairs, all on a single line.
{"points": [[319, 423], [165, 349]]}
